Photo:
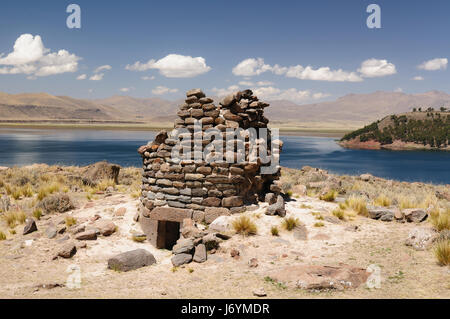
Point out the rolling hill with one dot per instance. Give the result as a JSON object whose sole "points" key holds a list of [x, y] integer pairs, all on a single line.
{"points": [[352, 110], [428, 129]]}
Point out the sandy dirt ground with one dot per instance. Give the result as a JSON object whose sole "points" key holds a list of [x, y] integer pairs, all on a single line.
{"points": [[26, 262]]}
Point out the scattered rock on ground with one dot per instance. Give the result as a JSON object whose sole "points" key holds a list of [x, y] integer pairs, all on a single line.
{"points": [[260, 292], [90, 234], [67, 250], [278, 208], [30, 226], [181, 259], [131, 260], [105, 227], [200, 253], [300, 232], [183, 246], [415, 215]]}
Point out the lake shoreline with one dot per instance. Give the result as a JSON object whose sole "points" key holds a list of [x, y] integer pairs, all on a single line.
{"points": [[136, 127]]}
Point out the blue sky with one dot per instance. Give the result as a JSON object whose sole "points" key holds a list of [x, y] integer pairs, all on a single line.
{"points": [[295, 40]]}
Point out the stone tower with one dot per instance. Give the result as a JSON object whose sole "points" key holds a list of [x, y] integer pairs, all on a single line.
{"points": [[210, 165]]}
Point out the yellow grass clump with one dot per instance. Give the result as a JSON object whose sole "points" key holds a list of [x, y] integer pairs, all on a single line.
{"points": [[382, 200], [2, 235], [274, 231], [339, 213], [440, 219], [329, 196], [357, 205], [70, 221], [244, 226], [12, 218], [442, 252], [289, 223]]}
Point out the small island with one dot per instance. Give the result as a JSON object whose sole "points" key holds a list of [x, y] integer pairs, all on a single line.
{"points": [[429, 129]]}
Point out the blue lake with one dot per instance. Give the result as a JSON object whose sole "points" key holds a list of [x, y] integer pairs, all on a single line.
{"points": [[82, 147]]}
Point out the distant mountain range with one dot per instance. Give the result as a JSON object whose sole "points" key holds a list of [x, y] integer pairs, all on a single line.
{"points": [[352, 108]]}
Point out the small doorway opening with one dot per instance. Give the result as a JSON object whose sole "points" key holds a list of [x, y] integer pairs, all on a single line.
{"points": [[168, 234]]}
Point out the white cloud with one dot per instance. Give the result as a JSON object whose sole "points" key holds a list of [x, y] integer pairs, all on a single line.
{"points": [[264, 83], [252, 84], [398, 90], [82, 77], [418, 78], [294, 95], [147, 78], [251, 67], [103, 68], [435, 64], [160, 90], [225, 91], [369, 68], [372, 68], [174, 66], [321, 74], [97, 77], [126, 89], [30, 57]]}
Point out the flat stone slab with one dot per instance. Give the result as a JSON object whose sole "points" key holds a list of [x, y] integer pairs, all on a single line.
{"points": [[312, 277], [171, 214]]}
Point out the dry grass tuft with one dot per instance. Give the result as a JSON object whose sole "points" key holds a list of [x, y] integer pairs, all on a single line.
{"points": [[289, 223], [440, 219], [37, 213], [244, 226], [274, 231], [319, 224], [13, 218], [382, 200], [2, 235], [329, 196], [356, 205], [442, 252], [339, 213], [70, 221]]}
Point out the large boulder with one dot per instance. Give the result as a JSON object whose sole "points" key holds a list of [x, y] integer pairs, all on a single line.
{"points": [[278, 208], [131, 260], [421, 238], [101, 171], [415, 215], [57, 203], [221, 224]]}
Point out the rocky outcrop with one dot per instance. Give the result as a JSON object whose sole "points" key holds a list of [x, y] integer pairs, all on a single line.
{"points": [[101, 171]]}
